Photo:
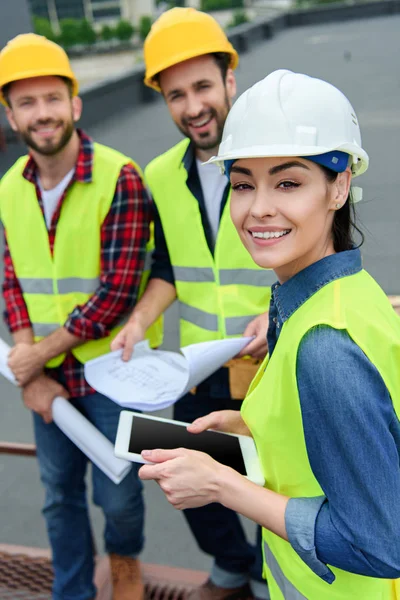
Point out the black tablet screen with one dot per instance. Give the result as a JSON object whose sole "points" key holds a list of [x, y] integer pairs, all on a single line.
{"points": [[147, 434]]}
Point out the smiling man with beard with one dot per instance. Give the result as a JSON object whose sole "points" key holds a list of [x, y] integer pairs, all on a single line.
{"points": [[77, 219], [199, 260]]}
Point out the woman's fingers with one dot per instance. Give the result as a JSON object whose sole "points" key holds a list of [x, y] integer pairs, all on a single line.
{"points": [[212, 421]]}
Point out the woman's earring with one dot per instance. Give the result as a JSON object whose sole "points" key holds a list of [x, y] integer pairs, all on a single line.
{"points": [[338, 205]]}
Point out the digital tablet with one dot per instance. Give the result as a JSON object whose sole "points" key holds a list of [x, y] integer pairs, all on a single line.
{"points": [[138, 432]]}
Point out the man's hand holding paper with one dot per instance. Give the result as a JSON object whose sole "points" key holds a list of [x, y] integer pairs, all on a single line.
{"points": [[155, 379], [133, 332]]}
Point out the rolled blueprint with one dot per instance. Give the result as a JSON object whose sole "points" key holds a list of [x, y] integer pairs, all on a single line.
{"points": [[79, 430]]}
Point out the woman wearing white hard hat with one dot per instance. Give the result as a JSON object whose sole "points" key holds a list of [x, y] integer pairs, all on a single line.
{"points": [[324, 407]]}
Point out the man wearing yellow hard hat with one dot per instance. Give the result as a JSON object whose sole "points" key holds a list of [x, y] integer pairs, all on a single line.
{"points": [[77, 219], [200, 260]]}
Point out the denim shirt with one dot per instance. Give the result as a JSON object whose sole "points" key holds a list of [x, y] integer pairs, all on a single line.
{"points": [[352, 437]]}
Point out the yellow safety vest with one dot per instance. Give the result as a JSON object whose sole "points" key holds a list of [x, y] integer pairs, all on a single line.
{"points": [[272, 411], [53, 286], [218, 295]]}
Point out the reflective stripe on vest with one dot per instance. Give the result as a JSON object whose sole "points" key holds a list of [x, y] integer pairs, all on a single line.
{"points": [[198, 317], [67, 285], [148, 259], [208, 321], [54, 284], [42, 329], [219, 294], [260, 278], [236, 325], [193, 274], [272, 411], [287, 588]]}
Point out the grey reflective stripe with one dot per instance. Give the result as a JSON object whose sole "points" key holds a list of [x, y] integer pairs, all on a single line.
{"points": [[36, 286], [198, 317], [236, 325], [256, 277], [148, 259], [43, 329], [194, 274], [66, 285], [69, 285], [287, 588]]}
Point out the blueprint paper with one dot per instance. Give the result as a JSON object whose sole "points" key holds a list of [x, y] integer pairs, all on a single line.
{"points": [[154, 379], [205, 358], [89, 439], [4, 368]]}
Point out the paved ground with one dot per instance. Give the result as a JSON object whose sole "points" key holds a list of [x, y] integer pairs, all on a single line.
{"points": [[359, 57]]}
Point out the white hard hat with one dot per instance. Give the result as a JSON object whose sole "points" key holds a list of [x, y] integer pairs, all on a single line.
{"points": [[290, 114]]}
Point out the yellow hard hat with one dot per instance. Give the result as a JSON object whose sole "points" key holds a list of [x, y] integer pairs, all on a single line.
{"points": [[180, 34], [30, 55]]}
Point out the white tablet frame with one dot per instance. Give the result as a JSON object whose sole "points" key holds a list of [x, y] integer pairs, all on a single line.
{"points": [[247, 445]]}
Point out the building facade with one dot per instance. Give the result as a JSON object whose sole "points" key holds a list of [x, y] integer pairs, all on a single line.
{"points": [[95, 11], [92, 10]]}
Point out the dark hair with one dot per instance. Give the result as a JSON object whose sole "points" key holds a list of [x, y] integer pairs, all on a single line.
{"points": [[5, 90], [344, 221], [222, 60]]}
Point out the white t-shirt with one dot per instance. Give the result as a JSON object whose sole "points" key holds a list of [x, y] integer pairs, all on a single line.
{"points": [[213, 184], [50, 198]]}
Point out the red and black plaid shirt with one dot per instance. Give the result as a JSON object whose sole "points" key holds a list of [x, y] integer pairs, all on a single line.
{"points": [[124, 235]]}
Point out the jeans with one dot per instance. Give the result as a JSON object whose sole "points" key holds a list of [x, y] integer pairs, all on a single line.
{"points": [[218, 530], [62, 469]]}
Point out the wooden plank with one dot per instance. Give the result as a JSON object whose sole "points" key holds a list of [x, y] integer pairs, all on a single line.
{"points": [[17, 449]]}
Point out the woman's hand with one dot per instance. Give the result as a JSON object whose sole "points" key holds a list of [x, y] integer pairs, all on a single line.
{"points": [[228, 421], [188, 478], [258, 327]]}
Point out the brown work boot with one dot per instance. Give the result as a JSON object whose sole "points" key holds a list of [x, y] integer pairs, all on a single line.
{"points": [[127, 579], [210, 591]]}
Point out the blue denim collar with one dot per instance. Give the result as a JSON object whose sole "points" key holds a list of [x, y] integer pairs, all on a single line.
{"points": [[289, 296]]}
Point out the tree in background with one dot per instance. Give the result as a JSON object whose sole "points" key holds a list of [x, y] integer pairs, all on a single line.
{"points": [[124, 30], [239, 16], [144, 26], [74, 31], [107, 33], [43, 27], [86, 33], [210, 5], [69, 35]]}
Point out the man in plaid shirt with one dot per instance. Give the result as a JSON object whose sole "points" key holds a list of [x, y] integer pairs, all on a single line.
{"points": [[58, 178]]}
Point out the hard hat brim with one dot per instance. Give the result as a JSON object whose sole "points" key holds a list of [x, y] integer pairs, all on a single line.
{"points": [[359, 165], [150, 80], [43, 73]]}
